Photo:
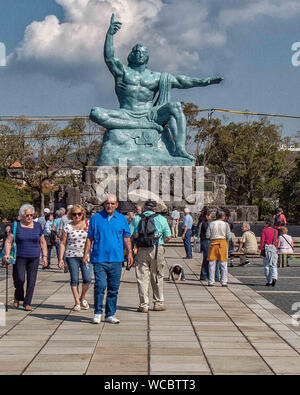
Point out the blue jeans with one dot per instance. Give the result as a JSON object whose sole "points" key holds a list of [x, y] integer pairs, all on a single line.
{"points": [[74, 264], [270, 263], [107, 276], [49, 250], [57, 245], [187, 243], [204, 266], [218, 270]]}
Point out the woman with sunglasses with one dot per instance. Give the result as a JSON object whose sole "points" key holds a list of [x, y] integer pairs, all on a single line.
{"points": [[30, 241], [72, 247]]}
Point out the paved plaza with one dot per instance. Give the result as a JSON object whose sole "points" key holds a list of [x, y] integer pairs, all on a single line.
{"points": [[204, 331]]}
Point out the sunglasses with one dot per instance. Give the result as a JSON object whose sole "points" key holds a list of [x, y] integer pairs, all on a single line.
{"points": [[28, 215], [76, 214]]}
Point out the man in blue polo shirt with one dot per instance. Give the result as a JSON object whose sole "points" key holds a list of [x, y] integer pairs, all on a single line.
{"points": [[108, 230]]}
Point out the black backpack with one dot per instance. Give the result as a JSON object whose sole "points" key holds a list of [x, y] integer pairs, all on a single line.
{"points": [[146, 231], [195, 230], [52, 237]]}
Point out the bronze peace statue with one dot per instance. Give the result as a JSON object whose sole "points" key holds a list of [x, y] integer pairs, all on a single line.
{"points": [[148, 129]]}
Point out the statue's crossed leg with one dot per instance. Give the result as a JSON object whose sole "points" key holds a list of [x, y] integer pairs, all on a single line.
{"points": [[172, 112], [156, 119], [122, 119]]}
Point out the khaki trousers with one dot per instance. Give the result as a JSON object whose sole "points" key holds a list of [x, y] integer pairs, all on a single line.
{"points": [[148, 269], [174, 228], [244, 259]]}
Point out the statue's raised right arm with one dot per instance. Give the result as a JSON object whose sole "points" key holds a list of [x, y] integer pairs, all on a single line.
{"points": [[115, 65]]}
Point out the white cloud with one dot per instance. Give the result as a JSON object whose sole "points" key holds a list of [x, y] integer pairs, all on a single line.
{"points": [[59, 48], [175, 31], [249, 10], [83, 32]]}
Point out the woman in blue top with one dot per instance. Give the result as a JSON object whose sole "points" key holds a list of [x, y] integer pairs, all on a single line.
{"points": [[30, 241]]}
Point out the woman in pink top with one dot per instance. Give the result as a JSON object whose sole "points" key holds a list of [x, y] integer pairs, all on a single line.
{"points": [[268, 249]]}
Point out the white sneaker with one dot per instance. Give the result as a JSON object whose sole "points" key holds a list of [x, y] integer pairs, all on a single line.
{"points": [[97, 319], [85, 305], [112, 319]]}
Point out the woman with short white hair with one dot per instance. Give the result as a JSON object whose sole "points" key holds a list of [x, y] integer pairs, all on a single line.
{"points": [[30, 241]]}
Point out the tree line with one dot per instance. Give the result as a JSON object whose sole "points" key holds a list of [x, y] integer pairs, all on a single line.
{"points": [[258, 171]]}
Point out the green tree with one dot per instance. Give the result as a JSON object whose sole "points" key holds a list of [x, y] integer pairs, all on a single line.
{"points": [[41, 154], [195, 129], [250, 156], [85, 138], [290, 194], [12, 197]]}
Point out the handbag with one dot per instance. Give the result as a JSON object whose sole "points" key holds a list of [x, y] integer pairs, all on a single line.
{"points": [[13, 251], [197, 245], [48, 241]]}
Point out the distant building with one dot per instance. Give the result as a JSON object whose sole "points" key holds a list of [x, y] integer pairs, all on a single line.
{"points": [[291, 147]]}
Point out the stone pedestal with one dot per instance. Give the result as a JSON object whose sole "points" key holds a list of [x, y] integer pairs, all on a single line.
{"points": [[181, 186], [170, 185], [140, 147]]}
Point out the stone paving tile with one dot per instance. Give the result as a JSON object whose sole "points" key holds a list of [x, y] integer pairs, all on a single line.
{"points": [[10, 372], [53, 373], [226, 334], [271, 346], [121, 351], [168, 344], [78, 338], [176, 351], [227, 364], [19, 343], [167, 363], [278, 353], [62, 358], [116, 373], [13, 365], [221, 344], [65, 342], [121, 366], [284, 365], [71, 343], [229, 352], [231, 340], [178, 373], [50, 350], [58, 366], [25, 357]]}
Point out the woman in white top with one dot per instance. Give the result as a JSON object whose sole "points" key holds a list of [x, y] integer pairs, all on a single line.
{"points": [[285, 241], [72, 247]]}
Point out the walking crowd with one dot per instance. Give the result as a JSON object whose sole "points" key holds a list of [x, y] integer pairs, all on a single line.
{"points": [[128, 235]]}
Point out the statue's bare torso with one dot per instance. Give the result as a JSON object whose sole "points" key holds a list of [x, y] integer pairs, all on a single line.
{"points": [[136, 90]]}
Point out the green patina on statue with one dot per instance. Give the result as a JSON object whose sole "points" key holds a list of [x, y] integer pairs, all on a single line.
{"points": [[148, 129]]}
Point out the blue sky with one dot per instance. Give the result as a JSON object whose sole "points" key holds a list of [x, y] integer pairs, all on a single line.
{"points": [[55, 64]]}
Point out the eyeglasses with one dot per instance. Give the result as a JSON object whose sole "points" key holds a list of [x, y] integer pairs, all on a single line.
{"points": [[28, 215], [109, 204], [76, 214]]}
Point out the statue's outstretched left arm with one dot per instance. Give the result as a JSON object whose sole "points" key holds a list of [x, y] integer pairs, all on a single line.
{"points": [[184, 82]]}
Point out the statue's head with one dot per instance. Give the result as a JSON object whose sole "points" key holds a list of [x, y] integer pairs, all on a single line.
{"points": [[139, 55]]}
